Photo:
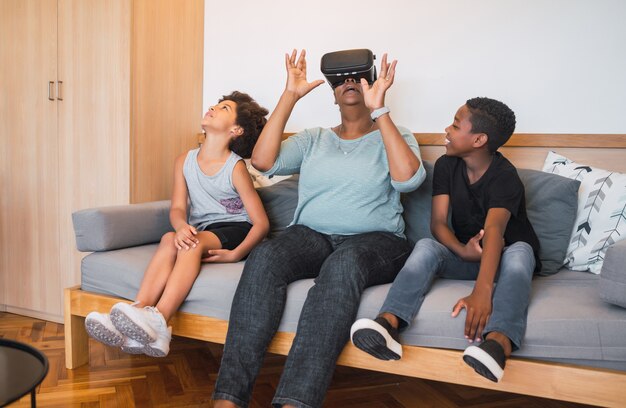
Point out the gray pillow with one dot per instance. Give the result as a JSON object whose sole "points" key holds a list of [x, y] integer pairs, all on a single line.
{"points": [[280, 201], [551, 204], [121, 226], [417, 207], [613, 275]]}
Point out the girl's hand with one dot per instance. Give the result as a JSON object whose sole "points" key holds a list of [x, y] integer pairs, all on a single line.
{"points": [[186, 237], [374, 96], [222, 256], [296, 75]]}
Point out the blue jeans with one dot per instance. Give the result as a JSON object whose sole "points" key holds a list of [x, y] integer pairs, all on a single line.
{"points": [[343, 266], [430, 258]]}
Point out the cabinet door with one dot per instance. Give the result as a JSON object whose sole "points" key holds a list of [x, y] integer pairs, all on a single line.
{"points": [[94, 115], [29, 240]]}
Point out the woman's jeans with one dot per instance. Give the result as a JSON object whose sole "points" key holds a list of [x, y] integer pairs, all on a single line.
{"points": [[430, 258], [343, 266]]}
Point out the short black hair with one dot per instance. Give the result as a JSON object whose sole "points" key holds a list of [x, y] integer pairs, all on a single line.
{"points": [[493, 118], [251, 118]]}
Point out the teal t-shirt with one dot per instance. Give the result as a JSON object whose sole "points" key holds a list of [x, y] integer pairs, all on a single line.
{"points": [[345, 187]]}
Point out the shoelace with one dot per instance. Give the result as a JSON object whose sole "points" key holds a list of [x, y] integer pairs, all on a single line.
{"points": [[157, 315]]}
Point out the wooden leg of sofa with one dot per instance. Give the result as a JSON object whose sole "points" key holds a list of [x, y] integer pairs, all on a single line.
{"points": [[76, 338]]}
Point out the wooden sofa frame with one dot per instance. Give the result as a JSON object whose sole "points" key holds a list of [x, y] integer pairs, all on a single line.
{"points": [[532, 377]]}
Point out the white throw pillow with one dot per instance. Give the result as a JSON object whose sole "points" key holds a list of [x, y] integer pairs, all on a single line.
{"points": [[261, 180], [601, 215]]}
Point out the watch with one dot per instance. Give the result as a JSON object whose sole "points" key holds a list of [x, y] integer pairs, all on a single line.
{"points": [[377, 113]]}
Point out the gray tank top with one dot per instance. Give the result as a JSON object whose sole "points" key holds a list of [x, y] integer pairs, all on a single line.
{"points": [[213, 198]]}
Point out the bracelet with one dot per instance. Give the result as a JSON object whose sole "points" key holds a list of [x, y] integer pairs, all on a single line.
{"points": [[377, 113]]}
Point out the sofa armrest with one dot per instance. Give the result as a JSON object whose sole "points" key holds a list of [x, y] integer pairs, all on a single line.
{"points": [[613, 275], [121, 226]]}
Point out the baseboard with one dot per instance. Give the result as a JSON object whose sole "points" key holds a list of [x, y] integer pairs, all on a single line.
{"points": [[3, 308], [33, 313]]}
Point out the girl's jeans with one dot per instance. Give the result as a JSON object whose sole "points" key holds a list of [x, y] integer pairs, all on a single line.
{"points": [[343, 266], [430, 258]]}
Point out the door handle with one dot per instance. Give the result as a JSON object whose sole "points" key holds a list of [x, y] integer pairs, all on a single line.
{"points": [[51, 90], [60, 90]]}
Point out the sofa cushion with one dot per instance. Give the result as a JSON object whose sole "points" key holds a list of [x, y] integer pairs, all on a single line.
{"points": [[613, 275], [417, 205], [566, 318], [551, 203], [121, 226], [280, 201], [600, 221]]}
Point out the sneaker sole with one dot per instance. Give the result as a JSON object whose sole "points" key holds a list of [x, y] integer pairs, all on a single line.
{"points": [[153, 352], [100, 332], [129, 327], [373, 339], [483, 363], [133, 350]]}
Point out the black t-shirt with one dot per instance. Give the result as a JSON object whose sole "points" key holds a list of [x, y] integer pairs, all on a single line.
{"points": [[499, 187]]}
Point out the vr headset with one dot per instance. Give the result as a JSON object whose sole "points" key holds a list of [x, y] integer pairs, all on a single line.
{"points": [[340, 65]]}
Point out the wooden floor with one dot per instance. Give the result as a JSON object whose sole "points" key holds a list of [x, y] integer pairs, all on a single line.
{"points": [[186, 377]]}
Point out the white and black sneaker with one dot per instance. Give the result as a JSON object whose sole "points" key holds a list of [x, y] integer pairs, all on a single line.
{"points": [[487, 359], [376, 337]]}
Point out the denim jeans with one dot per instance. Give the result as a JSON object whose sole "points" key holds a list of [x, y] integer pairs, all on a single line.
{"points": [[430, 258], [343, 266]]}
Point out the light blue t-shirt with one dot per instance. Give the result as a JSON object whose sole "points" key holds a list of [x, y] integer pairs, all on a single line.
{"points": [[345, 187]]}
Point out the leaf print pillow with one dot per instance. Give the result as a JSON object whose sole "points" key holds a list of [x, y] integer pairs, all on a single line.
{"points": [[601, 216]]}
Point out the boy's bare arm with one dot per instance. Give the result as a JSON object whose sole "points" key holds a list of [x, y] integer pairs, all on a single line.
{"points": [[478, 303], [471, 251]]}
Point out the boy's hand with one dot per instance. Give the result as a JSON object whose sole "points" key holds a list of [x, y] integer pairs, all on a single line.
{"points": [[296, 75], [222, 256], [478, 308], [472, 251], [374, 96], [186, 237]]}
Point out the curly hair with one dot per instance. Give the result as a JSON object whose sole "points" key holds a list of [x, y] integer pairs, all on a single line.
{"points": [[251, 118], [493, 118]]}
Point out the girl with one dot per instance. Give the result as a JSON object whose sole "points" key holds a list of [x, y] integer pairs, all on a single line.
{"points": [[226, 220]]}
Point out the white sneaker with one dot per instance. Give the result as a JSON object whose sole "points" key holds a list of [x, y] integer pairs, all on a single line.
{"points": [[140, 324], [100, 327], [161, 347], [131, 346]]}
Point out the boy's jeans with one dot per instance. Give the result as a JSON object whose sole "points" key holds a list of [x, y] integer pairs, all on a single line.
{"points": [[430, 258], [343, 266]]}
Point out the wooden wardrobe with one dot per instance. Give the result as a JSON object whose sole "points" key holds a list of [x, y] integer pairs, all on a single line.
{"points": [[97, 98]]}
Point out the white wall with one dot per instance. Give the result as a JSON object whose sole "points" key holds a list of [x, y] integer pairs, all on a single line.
{"points": [[559, 64]]}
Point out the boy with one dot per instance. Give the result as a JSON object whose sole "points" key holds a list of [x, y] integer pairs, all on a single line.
{"points": [[487, 200]]}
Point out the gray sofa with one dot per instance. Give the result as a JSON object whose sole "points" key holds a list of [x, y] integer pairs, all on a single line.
{"points": [[569, 318]]}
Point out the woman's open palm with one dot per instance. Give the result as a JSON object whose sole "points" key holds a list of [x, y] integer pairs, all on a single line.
{"points": [[296, 75], [374, 96]]}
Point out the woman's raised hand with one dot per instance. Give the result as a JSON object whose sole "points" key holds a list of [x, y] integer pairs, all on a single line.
{"points": [[296, 75], [374, 96]]}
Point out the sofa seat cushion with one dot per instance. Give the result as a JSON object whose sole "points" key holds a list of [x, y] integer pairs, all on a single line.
{"points": [[566, 320]]}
